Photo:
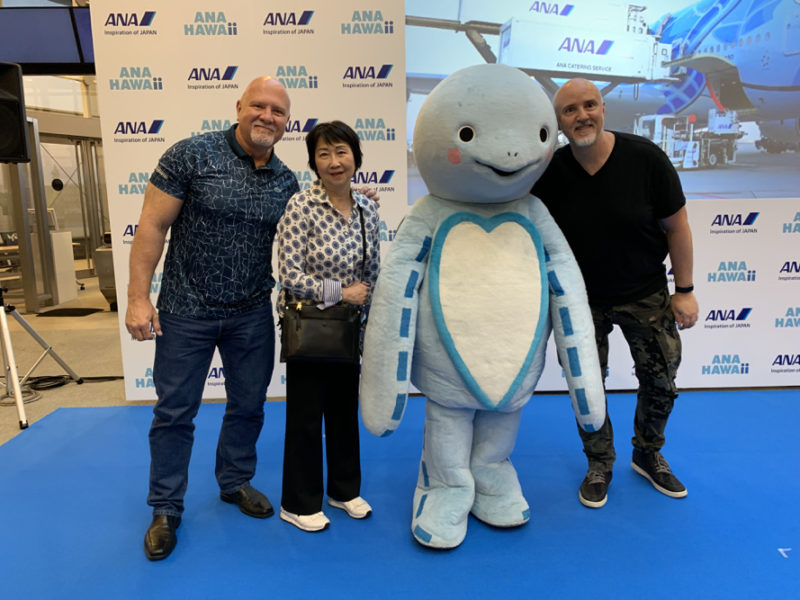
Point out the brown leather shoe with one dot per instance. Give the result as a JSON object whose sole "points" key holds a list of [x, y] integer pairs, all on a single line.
{"points": [[160, 538], [250, 501]]}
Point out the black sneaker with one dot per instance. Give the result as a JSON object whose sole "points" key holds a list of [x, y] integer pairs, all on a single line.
{"points": [[594, 488], [653, 466]]}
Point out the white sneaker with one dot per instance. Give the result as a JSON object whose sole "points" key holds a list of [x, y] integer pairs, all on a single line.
{"points": [[316, 522], [358, 508]]}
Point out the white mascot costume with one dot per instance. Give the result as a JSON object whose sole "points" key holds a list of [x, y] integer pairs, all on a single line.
{"points": [[475, 280]]}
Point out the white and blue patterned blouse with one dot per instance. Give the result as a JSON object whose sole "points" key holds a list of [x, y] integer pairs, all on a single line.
{"points": [[320, 251]]}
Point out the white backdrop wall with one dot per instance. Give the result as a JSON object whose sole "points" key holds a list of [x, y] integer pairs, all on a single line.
{"points": [[168, 70], [747, 281]]}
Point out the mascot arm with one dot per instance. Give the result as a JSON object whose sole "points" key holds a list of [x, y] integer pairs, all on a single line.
{"points": [[573, 326], [391, 328]]}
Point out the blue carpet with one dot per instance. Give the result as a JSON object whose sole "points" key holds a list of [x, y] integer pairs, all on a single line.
{"points": [[73, 514]]}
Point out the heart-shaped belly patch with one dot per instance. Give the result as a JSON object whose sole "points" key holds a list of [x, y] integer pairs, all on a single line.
{"points": [[488, 291]]}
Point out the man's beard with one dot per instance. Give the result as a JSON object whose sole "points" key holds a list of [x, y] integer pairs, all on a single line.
{"points": [[585, 141], [262, 136]]}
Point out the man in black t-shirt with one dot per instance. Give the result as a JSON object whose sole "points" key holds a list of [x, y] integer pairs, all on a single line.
{"points": [[619, 202]]}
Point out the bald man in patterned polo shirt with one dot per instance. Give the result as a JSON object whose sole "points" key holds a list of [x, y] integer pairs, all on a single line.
{"points": [[222, 194]]}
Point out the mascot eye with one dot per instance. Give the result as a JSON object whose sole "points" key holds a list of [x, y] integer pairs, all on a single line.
{"points": [[466, 133], [544, 134]]}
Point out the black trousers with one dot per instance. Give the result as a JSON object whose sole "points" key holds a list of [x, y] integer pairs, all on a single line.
{"points": [[317, 391]]}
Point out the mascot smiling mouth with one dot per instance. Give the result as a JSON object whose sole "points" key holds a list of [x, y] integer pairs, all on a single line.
{"points": [[508, 173]]}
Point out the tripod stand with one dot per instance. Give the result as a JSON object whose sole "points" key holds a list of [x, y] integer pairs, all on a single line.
{"points": [[10, 363]]}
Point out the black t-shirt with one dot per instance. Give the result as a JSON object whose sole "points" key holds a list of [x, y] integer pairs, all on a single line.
{"points": [[611, 218]]}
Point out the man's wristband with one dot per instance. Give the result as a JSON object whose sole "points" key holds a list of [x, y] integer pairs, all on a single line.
{"points": [[684, 290]]}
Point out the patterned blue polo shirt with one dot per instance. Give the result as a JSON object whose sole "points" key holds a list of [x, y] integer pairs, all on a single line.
{"points": [[219, 260]]}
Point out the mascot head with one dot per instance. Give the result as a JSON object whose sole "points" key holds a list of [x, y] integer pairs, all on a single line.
{"points": [[484, 134]]}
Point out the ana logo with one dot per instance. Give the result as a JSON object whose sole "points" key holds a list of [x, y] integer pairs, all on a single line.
{"points": [[210, 23], [216, 376], [130, 23], [138, 127], [727, 318], [296, 129], [296, 76], [298, 126], [288, 19], [147, 380], [374, 130], [130, 231], [137, 182], [367, 76], [212, 73], [130, 19], [790, 266], [792, 226], [786, 360], [367, 72], [305, 179], [367, 22], [551, 8], [790, 271], [734, 223], [136, 78], [372, 177], [583, 46], [386, 234], [791, 318], [212, 78], [729, 220], [213, 125], [138, 131], [726, 364], [732, 270]]}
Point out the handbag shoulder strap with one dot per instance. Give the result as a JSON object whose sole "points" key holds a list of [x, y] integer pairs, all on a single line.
{"points": [[363, 242]]}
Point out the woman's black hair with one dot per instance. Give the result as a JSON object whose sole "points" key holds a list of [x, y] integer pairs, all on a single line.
{"points": [[331, 132]]}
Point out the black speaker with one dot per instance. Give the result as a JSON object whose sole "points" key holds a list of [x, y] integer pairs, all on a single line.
{"points": [[13, 141]]}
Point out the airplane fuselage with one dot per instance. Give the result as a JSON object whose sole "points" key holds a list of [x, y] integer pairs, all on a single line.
{"points": [[760, 37]]}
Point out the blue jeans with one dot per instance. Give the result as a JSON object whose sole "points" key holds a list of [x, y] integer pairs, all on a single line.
{"points": [[183, 356]]}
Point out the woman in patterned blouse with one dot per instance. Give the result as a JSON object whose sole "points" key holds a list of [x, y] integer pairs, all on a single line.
{"points": [[321, 258]]}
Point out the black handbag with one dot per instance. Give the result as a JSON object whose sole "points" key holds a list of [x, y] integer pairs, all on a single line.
{"points": [[329, 335]]}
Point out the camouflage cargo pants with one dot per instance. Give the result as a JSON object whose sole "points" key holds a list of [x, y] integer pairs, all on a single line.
{"points": [[648, 326]]}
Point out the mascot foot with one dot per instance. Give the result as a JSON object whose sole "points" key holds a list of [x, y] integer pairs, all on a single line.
{"points": [[440, 516], [498, 496], [501, 511]]}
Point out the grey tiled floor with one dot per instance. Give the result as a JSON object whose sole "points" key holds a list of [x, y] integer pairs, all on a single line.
{"points": [[89, 345]]}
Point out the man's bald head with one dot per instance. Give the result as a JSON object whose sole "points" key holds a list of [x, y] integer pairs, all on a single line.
{"points": [[580, 111], [576, 86], [265, 84], [262, 113]]}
